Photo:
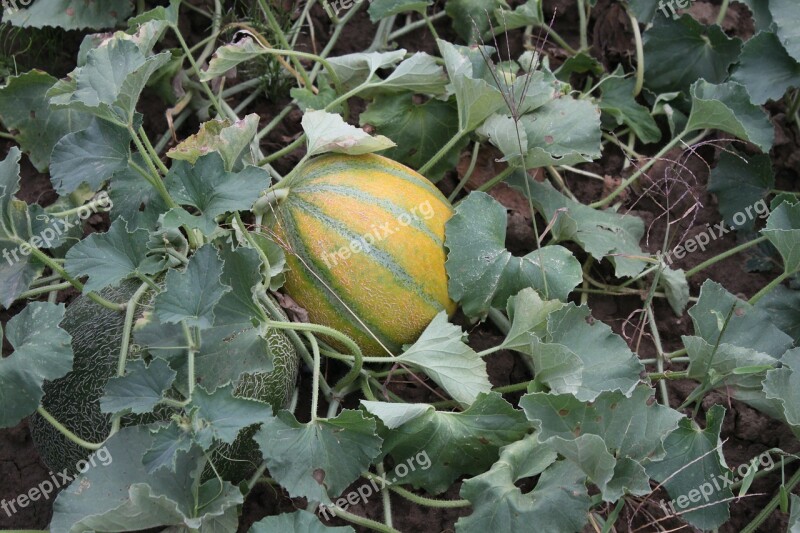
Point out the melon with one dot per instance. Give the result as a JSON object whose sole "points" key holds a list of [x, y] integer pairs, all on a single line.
{"points": [[364, 241], [74, 400]]}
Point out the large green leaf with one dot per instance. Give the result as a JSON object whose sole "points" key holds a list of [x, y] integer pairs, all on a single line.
{"points": [[230, 56], [110, 83], [296, 522], [727, 107], [455, 443], [24, 107], [140, 389], [558, 503], [229, 139], [440, 352], [484, 274], [766, 69], [222, 415], [318, 460], [693, 469], [786, 15], [477, 99], [211, 190], [783, 306], [355, 69], [748, 327], [418, 130], [68, 14], [380, 9], [611, 439], [89, 156], [328, 132], [108, 258], [471, 17], [120, 493], [783, 385], [741, 184], [620, 107], [783, 231], [42, 351], [604, 234], [181, 300], [17, 268], [680, 52]]}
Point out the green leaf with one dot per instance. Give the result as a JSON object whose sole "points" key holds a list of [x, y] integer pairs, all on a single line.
{"points": [[610, 439], [477, 99], [420, 74], [330, 133], [139, 390], [528, 314], [222, 136], [620, 107], [484, 274], [230, 56], [222, 415], [563, 131], [786, 14], [181, 299], [442, 355], [603, 234], [783, 231], [783, 306], [134, 198], [296, 522], [727, 107], [471, 18], [676, 287], [794, 517], [380, 9], [108, 258], [694, 472], [320, 458], [741, 183], [720, 365], [355, 69], [527, 14], [212, 190], [17, 268], [783, 386], [167, 442], [581, 64], [42, 351], [124, 496], [644, 10], [418, 130], [455, 443], [558, 504], [703, 51], [766, 69], [89, 156], [69, 14], [110, 83], [749, 327], [24, 107]]}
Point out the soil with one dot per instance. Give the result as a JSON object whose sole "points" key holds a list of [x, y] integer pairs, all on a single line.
{"points": [[668, 189]]}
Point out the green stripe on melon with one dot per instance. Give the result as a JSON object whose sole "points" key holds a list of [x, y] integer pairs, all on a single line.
{"points": [[385, 293]]}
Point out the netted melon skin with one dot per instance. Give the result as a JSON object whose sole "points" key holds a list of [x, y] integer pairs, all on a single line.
{"points": [[74, 400]]}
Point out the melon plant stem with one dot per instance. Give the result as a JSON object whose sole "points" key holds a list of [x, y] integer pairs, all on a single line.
{"points": [[640, 171], [276, 28], [315, 375], [772, 284], [385, 497], [192, 351], [444, 150], [637, 35], [44, 290], [426, 21], [197, 72], [360, 520], [152, 151], [66, 432], [420, 500], [726, 254], [753, 526], [55, 267], [468, 174]]}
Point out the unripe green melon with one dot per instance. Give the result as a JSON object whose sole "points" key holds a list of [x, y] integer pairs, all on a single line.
{"points": [[74, 400]]}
